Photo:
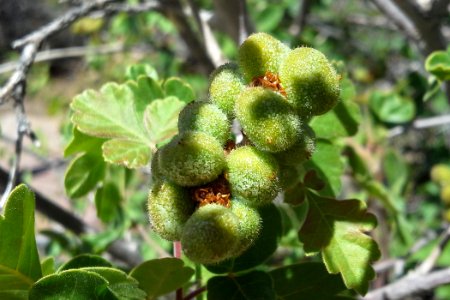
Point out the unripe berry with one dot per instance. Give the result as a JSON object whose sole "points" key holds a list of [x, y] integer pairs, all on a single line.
{"points": [[250, 224], [310, 81], [301, 151], [268, 119], [204, 117], [252, 175], [192, 158], [211, 234], [157, 174], [261, 53], [445, 195], [440, 173], [226, 84], [169, 207]]}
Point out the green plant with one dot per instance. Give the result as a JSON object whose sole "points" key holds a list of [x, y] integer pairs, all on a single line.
{"points": [[214, 193]]}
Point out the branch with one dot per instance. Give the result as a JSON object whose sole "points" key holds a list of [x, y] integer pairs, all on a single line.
{"points": [[410, 285], [420, 124], [69, 52], [299, 23]]}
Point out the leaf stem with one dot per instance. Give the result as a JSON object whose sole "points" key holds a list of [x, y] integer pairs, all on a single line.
{"points": [[195, 293]]}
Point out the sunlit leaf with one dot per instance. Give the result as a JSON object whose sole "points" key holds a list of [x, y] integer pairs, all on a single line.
{"points": [[71, 285], [19, 260], [165, 113], [438, 64], [83, 261], [161, 276], [176, 87], [337, 230], [253, 285]]}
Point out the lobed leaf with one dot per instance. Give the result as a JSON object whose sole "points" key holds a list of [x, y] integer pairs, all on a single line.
{"points": [[337, 229], [161, 276], [176, 87], [19, 259]]}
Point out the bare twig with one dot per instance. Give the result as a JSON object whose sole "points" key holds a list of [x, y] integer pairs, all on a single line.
{"points": [[209, 41], [410, 285], [427, 265], [69, 52], [421, 124]]}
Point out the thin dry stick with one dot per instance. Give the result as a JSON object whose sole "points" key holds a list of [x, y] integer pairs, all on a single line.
{"points": [[144, 234]]}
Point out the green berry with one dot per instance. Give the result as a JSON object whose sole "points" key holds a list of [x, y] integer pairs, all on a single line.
{"points": [[250, 224], [310, 81], [440, 173], [301, 151], [192, 158], [268, 119], [157, 174], [252, 175], [211, 234], [169, 207], [261, 53], [204, 117], [226, 84]]}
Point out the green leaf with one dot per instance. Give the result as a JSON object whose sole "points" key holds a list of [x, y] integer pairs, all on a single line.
{"points": [[161, 118], [327, 162], [161, 276], [343, 120], [71, 285], [83, 261], [396, 171], [19, 259], [145, 90], [392, 108], [131, 154], [264, 246], [306, 281], [337, 229], [82, 143], [83, 174], [135, 71], [124, 287], [115, 112], [48, 266], [438, 64], [253, 285], [270, 18], [176, 87], [107, 201]]}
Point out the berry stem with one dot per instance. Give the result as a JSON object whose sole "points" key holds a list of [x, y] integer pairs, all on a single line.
{"points": [[177, 254]]}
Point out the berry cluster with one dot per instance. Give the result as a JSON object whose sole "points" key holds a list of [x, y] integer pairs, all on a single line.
{"points": [[207, 189]]}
